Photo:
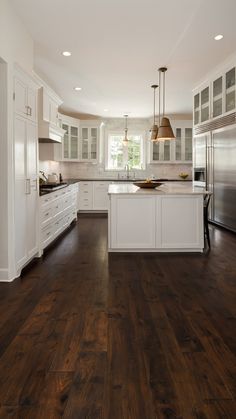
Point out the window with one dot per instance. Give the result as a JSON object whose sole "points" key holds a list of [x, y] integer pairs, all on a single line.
{"points": [[119, 155]]}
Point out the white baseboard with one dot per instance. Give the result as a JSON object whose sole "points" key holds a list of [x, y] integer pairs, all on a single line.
{"points": [[4, 276]]}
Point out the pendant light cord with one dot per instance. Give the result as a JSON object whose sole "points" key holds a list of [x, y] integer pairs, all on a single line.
{"points": [[154, 90], [164, 82], [159, 105]]}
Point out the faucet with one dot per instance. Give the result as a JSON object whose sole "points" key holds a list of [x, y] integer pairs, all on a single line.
{"points": [[127, 171]]}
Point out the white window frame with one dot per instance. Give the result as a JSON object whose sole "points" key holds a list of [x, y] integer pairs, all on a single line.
{"points": [[143, 150]]}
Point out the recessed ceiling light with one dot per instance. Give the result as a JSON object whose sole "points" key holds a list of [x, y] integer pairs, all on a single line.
{"points": [[106, 110], [218, 37], [66, 53], [77, 88]]}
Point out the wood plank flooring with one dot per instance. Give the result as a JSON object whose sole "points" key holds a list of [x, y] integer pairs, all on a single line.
{"points": [[87, 335]]}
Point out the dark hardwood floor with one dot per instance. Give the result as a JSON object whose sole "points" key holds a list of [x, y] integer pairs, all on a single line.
{"points": [[87, 335]]}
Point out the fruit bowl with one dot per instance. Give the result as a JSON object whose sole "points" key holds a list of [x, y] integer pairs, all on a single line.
{"points": [[183, 175], [148, 185]]}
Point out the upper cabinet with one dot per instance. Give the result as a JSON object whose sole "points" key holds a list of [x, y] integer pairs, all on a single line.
{"points": [[175, 151], [80, 140], [89, 142], [49, 124], [70, 143], [25, 98], [230, 90], [216, 97]]}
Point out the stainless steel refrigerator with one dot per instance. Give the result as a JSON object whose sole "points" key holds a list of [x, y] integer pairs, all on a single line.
{"points": [[215, 168]]}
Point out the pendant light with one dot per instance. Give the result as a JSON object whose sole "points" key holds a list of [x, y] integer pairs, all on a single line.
{"points": [[125, 139], [165, 131], [154, 129]]}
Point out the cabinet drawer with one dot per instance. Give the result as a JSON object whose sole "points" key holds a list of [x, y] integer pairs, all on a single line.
{"points": [[58, 207], [86, 187], [58, 227], [85, 204], [45, 199], [67, 201], [46, 216], [67, 219], [60, 193], [47, 235], [101, 184]]}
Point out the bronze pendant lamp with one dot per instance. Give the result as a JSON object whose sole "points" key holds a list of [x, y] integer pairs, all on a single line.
{"points": [[125, 139], [154, 129], [165, 131]]}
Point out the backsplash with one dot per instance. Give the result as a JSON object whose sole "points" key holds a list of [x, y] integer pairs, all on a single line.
{"points": [[88, 170]]}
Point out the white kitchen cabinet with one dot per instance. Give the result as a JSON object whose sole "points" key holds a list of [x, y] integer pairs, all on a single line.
{"points": [[26, 191], [93, 196], [150, 222], [26, 173], [230, 90], [89, 137], [50, 105], [100, 196], [57, 210], [132, 222], [70, 144], [25, 97], [86, 196], [216, 97], [174, 151]]}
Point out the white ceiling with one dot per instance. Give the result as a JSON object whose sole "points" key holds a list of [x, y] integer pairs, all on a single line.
{"points": [[118, 45]]}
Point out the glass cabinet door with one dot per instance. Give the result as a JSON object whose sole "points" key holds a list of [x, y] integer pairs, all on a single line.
{"points": [[73, 142], [205, 108], [230, 90], [93, 145], [178, 145], [155, 151], [167, 150], [217, 97], [188, 144], [85, 144], [66, 141], [196, 109]]}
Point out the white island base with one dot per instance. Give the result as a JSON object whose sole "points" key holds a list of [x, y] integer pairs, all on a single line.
{"points": [[167, 219]]}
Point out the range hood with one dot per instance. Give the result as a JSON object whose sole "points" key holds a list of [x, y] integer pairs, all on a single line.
{"points": [[50, 133]]}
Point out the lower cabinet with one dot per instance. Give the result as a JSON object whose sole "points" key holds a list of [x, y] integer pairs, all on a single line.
{"points": [[57, 210], [93, 196], [164, 223], [26, 191]]}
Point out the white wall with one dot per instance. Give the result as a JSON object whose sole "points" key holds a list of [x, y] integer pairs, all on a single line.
{"points": [[3, 166], [16, 46]]}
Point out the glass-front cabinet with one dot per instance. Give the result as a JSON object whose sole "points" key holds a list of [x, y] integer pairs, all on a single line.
{"points": [[89, 143], [70, 144], [230, 90], [217, 107], [205, 104], [80, 142], [215, 98], [175, 151]]}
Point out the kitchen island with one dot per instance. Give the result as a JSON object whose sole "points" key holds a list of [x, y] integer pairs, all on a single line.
{"points": [[166, 219]]}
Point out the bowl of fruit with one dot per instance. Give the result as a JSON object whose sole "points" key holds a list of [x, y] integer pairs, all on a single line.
{"points": [[148, 183], [183, 175]]}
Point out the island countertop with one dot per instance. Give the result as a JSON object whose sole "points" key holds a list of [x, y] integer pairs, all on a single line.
{"points": [[175, 188]]}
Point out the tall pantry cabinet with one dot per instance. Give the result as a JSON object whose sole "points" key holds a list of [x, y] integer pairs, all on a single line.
{"points": [[26, 169]]}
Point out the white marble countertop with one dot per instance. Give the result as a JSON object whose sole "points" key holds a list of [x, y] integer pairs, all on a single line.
{"points": [[175, 188]]}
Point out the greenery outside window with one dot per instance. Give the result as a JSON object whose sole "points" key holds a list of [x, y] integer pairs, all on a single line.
{"points": [[119, 155]]}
